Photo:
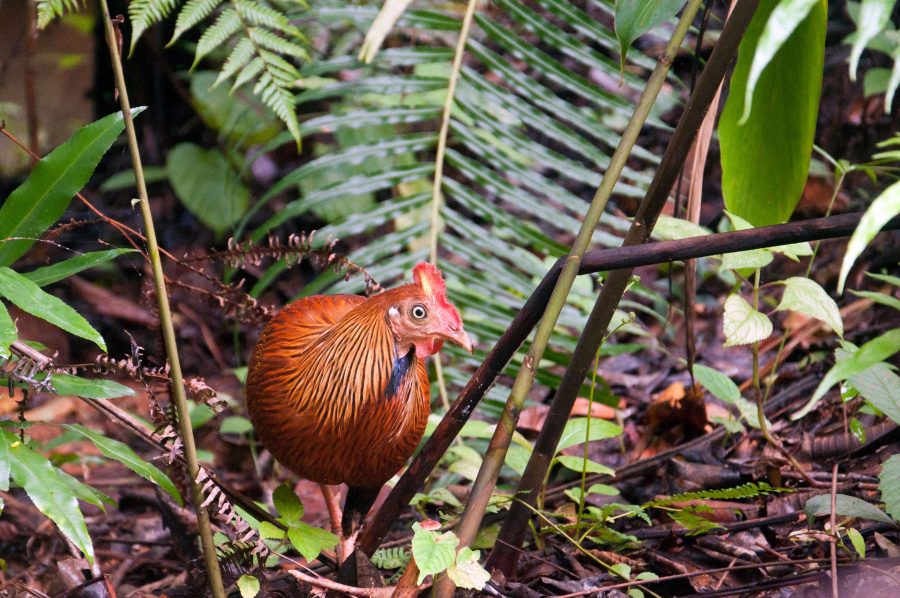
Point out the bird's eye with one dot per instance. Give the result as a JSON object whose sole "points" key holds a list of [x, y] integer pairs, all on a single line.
{"points": [[418, 312]]}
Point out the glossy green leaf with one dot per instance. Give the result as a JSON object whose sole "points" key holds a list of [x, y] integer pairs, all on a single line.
{"points": [[50, 494], [882, 210], [874, 351], [721, 386], [8, 332], [433, 552], [636, 17], [38, 203], [67, 384], [782, 22], [122, 453], [807, 297], [889, 486], [310, 541], [576, 431], [289, 507], [207, 186], [777, 137], [743, 324], [64, 269], [29, 297], [844, 506], [873, 17]]}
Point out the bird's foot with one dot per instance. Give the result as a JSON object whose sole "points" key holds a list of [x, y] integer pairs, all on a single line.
{"points": [[346, 546]]}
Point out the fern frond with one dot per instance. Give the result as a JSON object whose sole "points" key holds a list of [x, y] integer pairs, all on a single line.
{"points": [[390, 558], [146, 13], [696, 524], [47, 10], [192, 13], [254, 13], [249, 72], [240, 56], [270, 41], [226, 24], [748, 490], [279, 99]]}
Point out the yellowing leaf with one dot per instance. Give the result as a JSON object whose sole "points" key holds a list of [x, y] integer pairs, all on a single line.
{"points": [[743, 324]]}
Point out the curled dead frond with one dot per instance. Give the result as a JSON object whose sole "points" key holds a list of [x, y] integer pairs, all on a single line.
{"points": [[236, 528], [200, 391]]}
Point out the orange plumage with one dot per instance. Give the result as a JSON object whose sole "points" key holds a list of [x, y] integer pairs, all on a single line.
{"points": [[337, 388]]}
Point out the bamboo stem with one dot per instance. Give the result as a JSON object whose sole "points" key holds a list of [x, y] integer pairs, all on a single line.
{"points": [[505, 556], [496, 451], [214, 575]]}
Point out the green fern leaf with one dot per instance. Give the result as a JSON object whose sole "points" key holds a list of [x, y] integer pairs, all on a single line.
{"points": [[227, 24], [390, 558], [749, 490], [192, 13], [47, 10], [258, 14], [249, 72], [145, 13], [240, 56], [267, 39], [694, 523], [280, 100]]}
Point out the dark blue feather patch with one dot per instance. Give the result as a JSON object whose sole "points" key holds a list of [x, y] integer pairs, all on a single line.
{"points": [[398, 373]]}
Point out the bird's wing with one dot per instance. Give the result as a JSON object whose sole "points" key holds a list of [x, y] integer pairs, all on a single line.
{"points": [[301, 323]]}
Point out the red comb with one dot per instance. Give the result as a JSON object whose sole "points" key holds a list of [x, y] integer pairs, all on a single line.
{"points": [[429, 278]]}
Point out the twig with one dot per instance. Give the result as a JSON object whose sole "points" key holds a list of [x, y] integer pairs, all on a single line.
{"points": [[345, 590], [214, 575], [834, 577], [614, 287]]}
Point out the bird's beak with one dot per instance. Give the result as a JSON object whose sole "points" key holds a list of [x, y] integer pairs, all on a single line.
{"points": [[460, 338]]}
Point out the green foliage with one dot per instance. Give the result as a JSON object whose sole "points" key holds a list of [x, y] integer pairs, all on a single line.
{"points": [[696, 524], [889, 486], [38, 203], [390, 558], [436, 553], [882, 210], [122, 453], [29, 297], [809, 298], [144, 13], [845, 506], [207, 186], [635, 18], [48, 10], [309, 541], [8, 333], [748, 490], [64, 269], [776, 137], [67, 384], [742, 324], [873, 20], [248, 586]]}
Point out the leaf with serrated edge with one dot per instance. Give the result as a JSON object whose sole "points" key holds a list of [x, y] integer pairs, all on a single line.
{"points": [[310, 541], [289, 507], [743, 324], [809, 298], [467, 572], [433, 552], [248, 586]]}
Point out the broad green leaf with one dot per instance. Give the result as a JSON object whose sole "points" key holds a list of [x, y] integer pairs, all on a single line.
{"points": [[270, 531], [50, 494], [844, 506], [622, 570], [777, 137], [579, 464], [809, 298], [310, 541], [207, 186], [873, 17], [882, 210], [29, 297], [858, 542], [248, 586], [749, 412], [60, 270], [785, 18], [235, 424], [467, 572], [752, 258], [874, 351], [433, 552], [289, 507], [8, 333], [889, 486], [636, 17], [743, 324], [721, 386], [67, 384], [879, 385], [39, 202], [575, 431], [125, 179], [598, 489], [122, 453]]}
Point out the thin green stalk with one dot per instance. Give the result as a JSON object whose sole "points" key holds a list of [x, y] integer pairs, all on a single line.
{"points": [[214, 575], [587, 436], [437, 198], [496, 452]]}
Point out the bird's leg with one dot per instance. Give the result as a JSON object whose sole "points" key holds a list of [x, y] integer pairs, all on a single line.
{"points": [[334, 514]]}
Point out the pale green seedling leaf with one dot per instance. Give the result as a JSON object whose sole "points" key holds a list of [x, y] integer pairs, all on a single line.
{"points": [[29, 297], [882, 210], [721, 386], [809, 298], [467, 572], [743, 324], [579, 464], [752, 258], [248, 586], [433, 552], [673, 229], [122, 453], [576, 429], [310, 541]]}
